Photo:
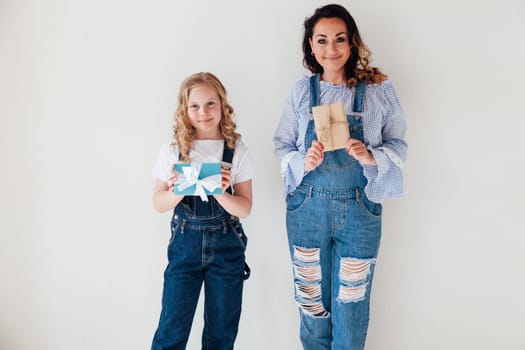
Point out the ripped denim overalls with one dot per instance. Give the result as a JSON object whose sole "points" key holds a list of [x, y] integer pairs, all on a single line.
{"points": [[334, 233]]}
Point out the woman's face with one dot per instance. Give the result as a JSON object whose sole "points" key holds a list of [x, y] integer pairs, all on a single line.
{"points": [[331, 45]]}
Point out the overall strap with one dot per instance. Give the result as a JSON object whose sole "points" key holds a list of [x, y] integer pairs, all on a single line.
{"points": [[314, 90], [227, 158], [360, 90], [227, 153]]}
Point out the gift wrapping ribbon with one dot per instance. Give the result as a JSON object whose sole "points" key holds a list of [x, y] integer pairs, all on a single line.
{"points": [[190, 177]]}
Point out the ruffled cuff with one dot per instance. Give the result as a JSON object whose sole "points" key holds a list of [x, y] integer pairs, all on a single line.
{"points": [[292, 170], [386, 178]]}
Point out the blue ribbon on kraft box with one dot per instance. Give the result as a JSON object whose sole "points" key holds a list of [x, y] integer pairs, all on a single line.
{"points": [[198, 179]]}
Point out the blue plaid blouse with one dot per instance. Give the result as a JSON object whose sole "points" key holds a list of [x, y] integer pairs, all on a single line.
{"points": [[384, 129]]}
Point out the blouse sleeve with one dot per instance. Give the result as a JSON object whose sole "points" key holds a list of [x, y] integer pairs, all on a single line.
{"points": [[288, 155], [386, 178]]}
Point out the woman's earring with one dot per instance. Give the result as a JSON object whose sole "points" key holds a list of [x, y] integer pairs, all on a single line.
{"points": [[312, 53]]}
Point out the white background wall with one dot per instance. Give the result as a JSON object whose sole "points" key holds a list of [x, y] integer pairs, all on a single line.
{"points": [[87, 94]]}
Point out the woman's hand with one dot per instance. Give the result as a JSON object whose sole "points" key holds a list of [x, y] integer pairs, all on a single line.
{"points": [[358, 150], [314, 156]]}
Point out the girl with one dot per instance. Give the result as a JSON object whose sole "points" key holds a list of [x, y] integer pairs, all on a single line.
{"points": [[207, 241], [333, 199]]}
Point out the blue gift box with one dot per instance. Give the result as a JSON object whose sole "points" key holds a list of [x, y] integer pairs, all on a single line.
{"points": [[207, 169]]}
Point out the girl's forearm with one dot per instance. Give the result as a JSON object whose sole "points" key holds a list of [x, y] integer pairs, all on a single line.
{"points": [[165, 200], [235, 205]]}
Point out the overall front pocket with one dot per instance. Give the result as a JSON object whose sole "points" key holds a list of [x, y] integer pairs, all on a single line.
{"points": [[296, 200], [371, 208]]}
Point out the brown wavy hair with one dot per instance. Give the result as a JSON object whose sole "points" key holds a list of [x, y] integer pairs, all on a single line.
{"points": [[184, 132], [357, 67]]}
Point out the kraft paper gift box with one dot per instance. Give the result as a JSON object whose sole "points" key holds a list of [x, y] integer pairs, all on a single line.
{"points": [[198, 179], [331, 126]]}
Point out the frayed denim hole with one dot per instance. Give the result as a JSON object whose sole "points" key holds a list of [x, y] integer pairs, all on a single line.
{"points": [[314, 309], [354, 278], [354, 270], [308, 291], [308, 297], [352, 294], [306, 264], [307, 255], [307, 272]]}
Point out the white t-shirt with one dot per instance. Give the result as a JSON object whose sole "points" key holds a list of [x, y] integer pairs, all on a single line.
{"points": [[205, 151]]}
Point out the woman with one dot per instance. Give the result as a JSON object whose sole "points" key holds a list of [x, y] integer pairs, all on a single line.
{"points": [[334, 197]]}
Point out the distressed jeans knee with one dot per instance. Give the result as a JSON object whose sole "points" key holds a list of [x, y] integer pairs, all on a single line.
{"points": [[308, 277], [354, 275]]}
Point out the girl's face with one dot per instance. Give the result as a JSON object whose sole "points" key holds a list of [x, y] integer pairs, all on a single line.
{"points": [[330, 44], [204, 112]]}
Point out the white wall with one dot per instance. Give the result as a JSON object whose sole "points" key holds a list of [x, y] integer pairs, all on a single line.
{"points": [[87, 93]]}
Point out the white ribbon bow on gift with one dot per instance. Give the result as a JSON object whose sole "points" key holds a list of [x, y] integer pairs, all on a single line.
{"points": [[190, 177]]}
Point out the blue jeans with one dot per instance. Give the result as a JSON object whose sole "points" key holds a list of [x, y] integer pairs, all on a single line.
{"points": [[334, 237], [209, 251]]}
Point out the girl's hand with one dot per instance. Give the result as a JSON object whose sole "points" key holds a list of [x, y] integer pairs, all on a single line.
{"points": [[173, 178], [358, 150], [314, 156], [226, 175]]}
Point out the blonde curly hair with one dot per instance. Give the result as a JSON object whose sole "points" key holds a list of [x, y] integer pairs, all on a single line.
{"points": [[184, 132], [357, 67]]}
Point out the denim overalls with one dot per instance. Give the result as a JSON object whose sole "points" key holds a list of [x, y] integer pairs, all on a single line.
{"points": [[207, 245], [334, 233]]}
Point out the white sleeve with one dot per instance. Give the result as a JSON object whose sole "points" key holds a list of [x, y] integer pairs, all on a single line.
{"points": [[166, 158], [242, 168]]}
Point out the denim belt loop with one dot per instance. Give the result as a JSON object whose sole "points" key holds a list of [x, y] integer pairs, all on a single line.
{"points": [[182, 226]]}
